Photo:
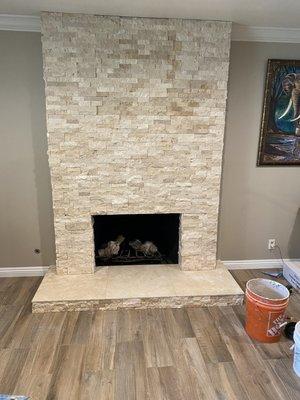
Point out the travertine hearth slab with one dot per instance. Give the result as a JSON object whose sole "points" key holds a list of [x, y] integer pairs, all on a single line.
{"points": [[143, 286]]}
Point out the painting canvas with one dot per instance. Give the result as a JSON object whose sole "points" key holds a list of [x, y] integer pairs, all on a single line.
{"points": [[280, 128]]}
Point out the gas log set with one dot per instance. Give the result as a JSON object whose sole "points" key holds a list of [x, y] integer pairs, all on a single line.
{"points": [[123, 251], [138, 239]]}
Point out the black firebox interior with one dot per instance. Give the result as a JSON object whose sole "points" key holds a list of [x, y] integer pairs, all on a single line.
{"points": [[160, 229]]}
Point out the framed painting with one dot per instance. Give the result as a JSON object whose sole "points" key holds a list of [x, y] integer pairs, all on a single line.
{"points": [[280, 127]]}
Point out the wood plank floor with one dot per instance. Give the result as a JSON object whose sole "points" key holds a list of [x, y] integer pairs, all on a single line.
{"points": [[161, 354]]}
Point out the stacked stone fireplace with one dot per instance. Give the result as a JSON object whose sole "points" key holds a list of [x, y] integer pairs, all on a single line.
{"points": [[135, 117]]}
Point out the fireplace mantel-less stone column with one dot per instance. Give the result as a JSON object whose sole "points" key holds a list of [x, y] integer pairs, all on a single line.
{"points": [[135, 117]]}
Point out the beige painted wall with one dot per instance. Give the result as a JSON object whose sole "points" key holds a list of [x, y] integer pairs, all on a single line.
{"points": [[26, 220], [257, 202]]}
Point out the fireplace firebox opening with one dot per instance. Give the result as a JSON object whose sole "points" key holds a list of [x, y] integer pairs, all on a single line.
{"points": [[131, 239]]}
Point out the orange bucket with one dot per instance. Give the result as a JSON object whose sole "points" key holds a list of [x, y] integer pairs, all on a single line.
{"points": [[266, 302]]}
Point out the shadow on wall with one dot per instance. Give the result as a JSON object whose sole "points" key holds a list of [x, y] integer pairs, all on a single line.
{"points": [[294, 241]]}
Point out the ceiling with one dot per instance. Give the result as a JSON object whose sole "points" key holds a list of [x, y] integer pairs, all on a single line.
{"points": [[267, 13]]}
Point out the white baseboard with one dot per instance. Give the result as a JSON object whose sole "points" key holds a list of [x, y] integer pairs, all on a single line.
{"points": [[255, 264], [9, 272]]}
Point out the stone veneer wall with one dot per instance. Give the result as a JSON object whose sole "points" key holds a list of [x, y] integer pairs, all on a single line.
{"points": [[135, 115]]}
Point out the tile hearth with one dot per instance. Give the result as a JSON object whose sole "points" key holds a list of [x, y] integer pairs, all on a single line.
{"points": [[146, 286]]}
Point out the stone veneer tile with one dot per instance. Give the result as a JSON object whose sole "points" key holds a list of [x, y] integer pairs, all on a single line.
{"points": [[135, 118], [140, 304]]}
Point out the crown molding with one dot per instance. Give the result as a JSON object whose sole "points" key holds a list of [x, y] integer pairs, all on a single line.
{"points": [[24, 23], [245, 33]]}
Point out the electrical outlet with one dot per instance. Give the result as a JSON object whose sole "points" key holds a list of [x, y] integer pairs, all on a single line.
{"points": [[271, 244]]}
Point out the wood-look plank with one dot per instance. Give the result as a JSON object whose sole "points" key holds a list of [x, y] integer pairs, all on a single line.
{"points": [[156, 343], [163, 383], [130, 367], [67, 374], [9, 315], [33, 385], [155, 388], [43, 353], [68, 327], [22, 332], [12, 370], [81, 332], [128, 325], [283, 369], [100, 350], [193, 374], [98, 385], [176, 323], [210, 340], [274, 351], [226, 381], [4, 357]]}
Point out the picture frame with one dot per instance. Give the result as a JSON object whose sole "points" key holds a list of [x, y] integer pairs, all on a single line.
{"points": [[279, 142]]}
